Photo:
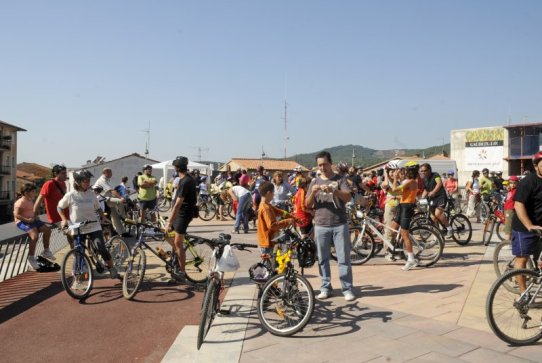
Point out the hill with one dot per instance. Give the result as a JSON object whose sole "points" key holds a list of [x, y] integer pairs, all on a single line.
{"points": [[365, 157]]}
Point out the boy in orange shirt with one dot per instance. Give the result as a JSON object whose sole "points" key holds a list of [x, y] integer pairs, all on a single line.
{"points": [[268, 224]]}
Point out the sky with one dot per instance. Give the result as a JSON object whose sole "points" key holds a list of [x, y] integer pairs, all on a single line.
{"points": [[211, 78]]}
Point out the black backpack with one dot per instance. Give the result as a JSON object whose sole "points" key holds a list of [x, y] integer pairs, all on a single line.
{"points": [[47, 266]]}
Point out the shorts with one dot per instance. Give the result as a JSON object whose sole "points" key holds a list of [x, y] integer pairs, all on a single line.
{"points": [[181, 223], [147, 204], [525, 243], [508, 215], [26, 227], [405, 211], [264, 250], [438, 202]]}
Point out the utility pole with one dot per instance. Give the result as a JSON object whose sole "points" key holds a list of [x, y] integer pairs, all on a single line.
{"points": [[200, 151], [148, 142], [353, 156]]}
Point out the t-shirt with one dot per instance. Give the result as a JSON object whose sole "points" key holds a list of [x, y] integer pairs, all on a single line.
{"points": [[51, 194], [450, 185], [509, 202], [23, 207], [239, 191], [329, 211], [146, 194], [83, 206], [529, 192], [486, 185], [103, 182], [186, 190], [431, 182]]}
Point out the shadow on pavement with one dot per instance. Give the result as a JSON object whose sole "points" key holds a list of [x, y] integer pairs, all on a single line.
{"points": [[425, 288]]}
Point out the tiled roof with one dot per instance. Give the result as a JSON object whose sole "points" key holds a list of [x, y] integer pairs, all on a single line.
{"points": [[37, 170], [269, 164]]}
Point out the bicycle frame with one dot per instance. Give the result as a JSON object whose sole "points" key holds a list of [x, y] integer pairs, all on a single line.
{"points": [[372, 224]]}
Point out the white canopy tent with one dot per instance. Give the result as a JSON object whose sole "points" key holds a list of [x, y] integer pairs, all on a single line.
{"points": [[192, 165]]}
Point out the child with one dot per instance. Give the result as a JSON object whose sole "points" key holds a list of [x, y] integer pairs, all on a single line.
{"points": [[301, 212], [26, 221], [267, 218], [509, 205]]}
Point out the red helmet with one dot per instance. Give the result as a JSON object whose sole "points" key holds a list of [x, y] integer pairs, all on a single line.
{"points": [[513, 178], [537, 157]]}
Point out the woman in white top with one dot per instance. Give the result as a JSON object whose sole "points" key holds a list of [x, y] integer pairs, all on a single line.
{"points": [[473, 194], [242, 195], [84, 206]]}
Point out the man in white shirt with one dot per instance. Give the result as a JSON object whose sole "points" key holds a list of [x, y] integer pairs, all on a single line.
{"points": [[113, 200]]}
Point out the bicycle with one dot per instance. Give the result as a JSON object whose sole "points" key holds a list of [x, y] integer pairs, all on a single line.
{"points": [[504, 261], [461, 226], [215, 285], [198, 256], [286, 302], [207, 209], [494, 221], [427, 243], [77, 273]]}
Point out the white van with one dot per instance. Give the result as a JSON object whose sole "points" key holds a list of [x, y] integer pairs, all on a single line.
{"points": [[437, 166]]}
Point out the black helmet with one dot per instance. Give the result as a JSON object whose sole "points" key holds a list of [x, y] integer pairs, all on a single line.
{"points": [[306, 252], [79, 176], [180, 162], [57, 169]]}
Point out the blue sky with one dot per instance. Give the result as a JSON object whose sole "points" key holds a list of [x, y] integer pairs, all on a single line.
{"points": [[85, 78]]}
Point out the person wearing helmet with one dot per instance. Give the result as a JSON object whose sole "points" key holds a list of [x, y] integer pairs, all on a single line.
{"points": [[508, 206], [451, 185], [435, 192], [391, 202], [527, 221], [84, 206], [498, 181], [486, 184], [147, 191], [184, 210], [408, 189], [51, 192], [328, 195]]}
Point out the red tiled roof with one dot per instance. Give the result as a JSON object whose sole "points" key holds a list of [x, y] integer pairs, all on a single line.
{"points": [[269, 164]]}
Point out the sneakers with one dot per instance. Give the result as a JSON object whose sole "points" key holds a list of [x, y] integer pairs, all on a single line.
{"points": [[33, 263], [450, 234], [349, 296], [323, 295], [178, 275], [76, 285], [47, 254], [113, 272], [409, 265], [235, 231], [389, 257]]}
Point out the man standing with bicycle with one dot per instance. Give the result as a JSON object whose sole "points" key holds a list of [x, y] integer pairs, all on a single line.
{"points": [[435, 192], [328, 195], [184, 209], [527, 221]]}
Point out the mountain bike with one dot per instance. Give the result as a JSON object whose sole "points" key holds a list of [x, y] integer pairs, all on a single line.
{"points": [[286, 302], [504, 260], [207, 209], [198, 258], [427, 242], [461, 226], [77, 270], [210, 307], [495, 219]]}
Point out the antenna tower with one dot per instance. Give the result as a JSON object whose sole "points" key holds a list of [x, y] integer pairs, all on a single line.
{"points": [[148, 142], [201, 150]]}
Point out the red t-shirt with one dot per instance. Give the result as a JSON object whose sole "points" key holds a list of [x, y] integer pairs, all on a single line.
{"points": [[52, 195], [509, 202]]}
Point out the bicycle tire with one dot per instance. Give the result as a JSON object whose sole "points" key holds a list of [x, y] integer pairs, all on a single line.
{"points": [[499, 231], [207, 211], [285, 316], [134, 274], [76, 274], [503, 261], [489, 226], [461, 229], [427, 245], [209, 310], [198, 261], [484, 212], [164, 204], [120, 253], [507, 313], [363, 246]]}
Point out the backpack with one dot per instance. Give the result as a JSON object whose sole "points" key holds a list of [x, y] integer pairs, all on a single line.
{"points": [[47, 266]]}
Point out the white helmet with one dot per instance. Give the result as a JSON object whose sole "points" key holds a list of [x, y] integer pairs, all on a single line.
{"points": [[392, 164]]}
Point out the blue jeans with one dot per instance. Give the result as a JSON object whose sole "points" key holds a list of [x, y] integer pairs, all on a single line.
{"points": [[340, 237], [241, 215]]}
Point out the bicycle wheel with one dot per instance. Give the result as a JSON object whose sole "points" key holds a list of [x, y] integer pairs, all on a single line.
{"points": [[76, 274], [164, 204], [209, 309], [363, 246], [503, 259], [499, 229], [120, 253], [489, 226], [207, 211], [198, 261], [286, 304], [461, 229], [484, 212], [427, 245], [134, 274], [513, 317], [228, 210]]}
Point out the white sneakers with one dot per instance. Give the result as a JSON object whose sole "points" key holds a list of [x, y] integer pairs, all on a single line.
{"points": [[409, 265], [323, 295], [33, 263], [47, 254], [348, 296]]}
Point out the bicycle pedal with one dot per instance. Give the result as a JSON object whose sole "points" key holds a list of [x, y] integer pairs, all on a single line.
{"points": [[224, 312]]}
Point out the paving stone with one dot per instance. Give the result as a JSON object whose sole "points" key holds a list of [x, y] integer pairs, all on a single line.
{"points": [[435, 357], [531, 352], [438, 343], [488, 355], [426, 325], [481, 338]]}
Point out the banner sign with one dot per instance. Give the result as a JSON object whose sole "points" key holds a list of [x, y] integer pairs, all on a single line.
{"points": [[484, 149]]}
